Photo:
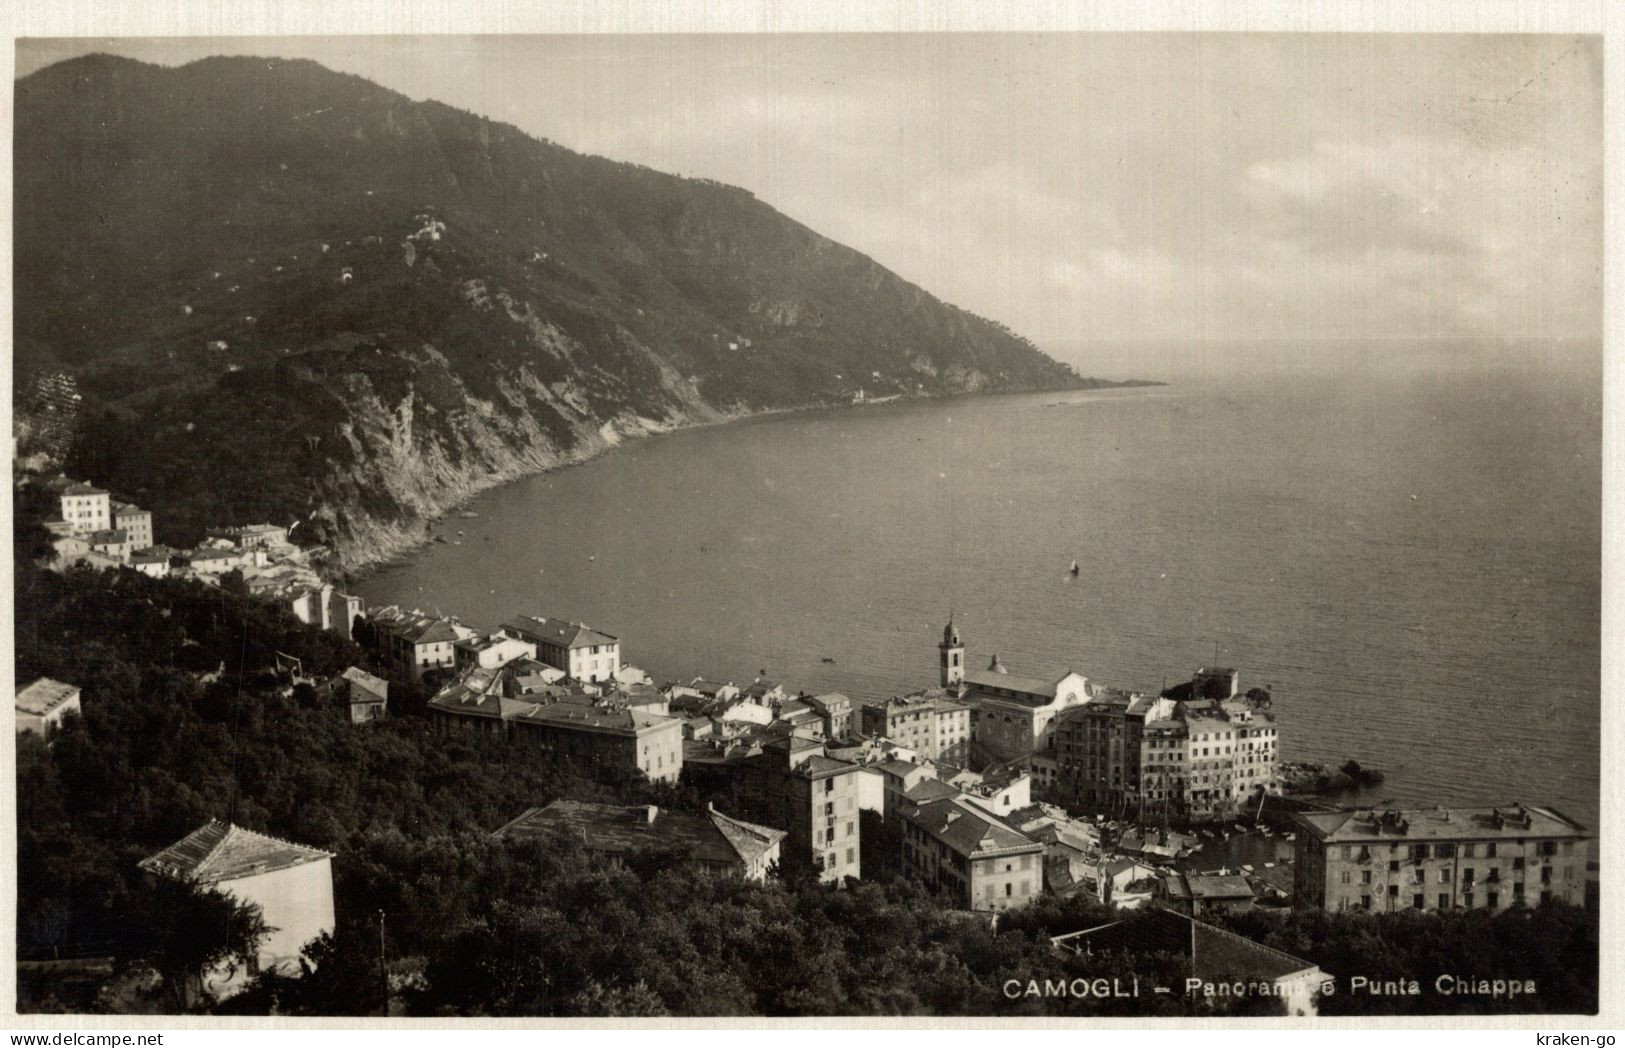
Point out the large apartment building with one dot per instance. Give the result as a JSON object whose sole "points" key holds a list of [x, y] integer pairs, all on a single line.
{"points": [[958, 848], [1439, 858], [933, 723], [792, 785], [1199, 750], [579, 650]]}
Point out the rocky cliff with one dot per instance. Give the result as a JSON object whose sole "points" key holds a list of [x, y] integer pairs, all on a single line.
{"points": [[291, 294]]}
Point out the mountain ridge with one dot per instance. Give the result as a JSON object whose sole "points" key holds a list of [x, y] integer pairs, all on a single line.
{"points": [[288, 292]]}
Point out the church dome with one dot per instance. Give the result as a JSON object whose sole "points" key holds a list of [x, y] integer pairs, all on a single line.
{"points": [[996, 666]]}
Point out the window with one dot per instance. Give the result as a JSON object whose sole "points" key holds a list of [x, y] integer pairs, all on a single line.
{"points": [[1393, 890], [1489, 850], [1347, 851], [1345, 876], [1469, 851], [1009, 889], [851, 855], [1365, 902], [1393, 865], [1444, 875], [1417, 901], [1492, 900], [1365, 876], [1444, 900]]}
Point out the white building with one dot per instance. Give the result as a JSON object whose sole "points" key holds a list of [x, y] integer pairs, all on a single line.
{"points": [[579, 650], [291, 884], [42, 706]]}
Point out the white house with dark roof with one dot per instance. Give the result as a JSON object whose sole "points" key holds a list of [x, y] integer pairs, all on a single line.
{"points": [[292, 884], [958, 848], [42, 705], [577, 649]]}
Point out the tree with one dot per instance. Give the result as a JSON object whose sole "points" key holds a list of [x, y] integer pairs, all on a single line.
{"points": [[187, 933]]}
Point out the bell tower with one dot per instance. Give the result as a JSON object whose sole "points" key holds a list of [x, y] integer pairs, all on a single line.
{"points": [[952, 655]]}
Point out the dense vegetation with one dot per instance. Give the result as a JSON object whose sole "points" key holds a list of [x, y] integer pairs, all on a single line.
{"points": [[290, 293], [183, 722]]}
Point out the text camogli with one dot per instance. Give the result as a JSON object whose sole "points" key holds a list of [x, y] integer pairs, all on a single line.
{"points": [[1444, 985]]}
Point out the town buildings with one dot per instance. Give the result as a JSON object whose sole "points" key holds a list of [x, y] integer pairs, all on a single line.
{"points": [[957, 848], [85, 508], [364, 695], [496, 649], [714, 843], [1010, 715], [43, 705], [411, 643], [1200, 751], [291, 884], [1439, 858], [790, 784], [134, 522], [933, 723], [604, 736], [835, 712], [579, 650]]}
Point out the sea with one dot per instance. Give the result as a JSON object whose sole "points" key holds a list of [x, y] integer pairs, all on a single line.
{"points": [[1401, 540]]}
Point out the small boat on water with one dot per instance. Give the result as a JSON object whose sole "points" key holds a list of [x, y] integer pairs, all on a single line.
{"points": [[1074, 569], [468, 514], [826, 658]]}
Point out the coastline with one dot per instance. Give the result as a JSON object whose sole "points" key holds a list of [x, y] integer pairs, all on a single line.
{"points": [[390, 544]]}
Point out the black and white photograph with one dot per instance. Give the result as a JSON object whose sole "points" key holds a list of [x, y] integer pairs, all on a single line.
{"points": [[1028, 524]]}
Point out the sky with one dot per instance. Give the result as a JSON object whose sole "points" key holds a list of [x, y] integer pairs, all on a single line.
{"points": [[1081, 186]]}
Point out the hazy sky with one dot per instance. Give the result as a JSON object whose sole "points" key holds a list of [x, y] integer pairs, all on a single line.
{"points": [[1094, 185]]}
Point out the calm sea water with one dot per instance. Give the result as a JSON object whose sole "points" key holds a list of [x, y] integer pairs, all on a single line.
{"points": [[1402, 542]]}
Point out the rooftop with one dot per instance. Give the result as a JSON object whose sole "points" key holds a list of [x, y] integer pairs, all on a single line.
{"points": [[557, 631], [968, 830], [375, 686], [220, 851], [991, 679], [713, 838], [1514, 820], [44, 695], [1214, 955]]}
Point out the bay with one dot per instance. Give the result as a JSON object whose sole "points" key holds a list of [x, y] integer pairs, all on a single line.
{"points": [[1402, 541]]}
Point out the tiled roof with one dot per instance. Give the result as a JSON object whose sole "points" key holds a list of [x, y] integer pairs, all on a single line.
{"points": [[1214, 955], [927, 790], [111, 535], [586, 717], [1011, 682], [713, 838], [1218, 886], [374, 686], [819, 765], [967, 829], [557, 631], [828, 703], [220, 851], [1424, 824], [82, 489], [44, 695]]}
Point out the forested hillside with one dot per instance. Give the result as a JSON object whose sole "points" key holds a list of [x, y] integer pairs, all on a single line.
{"points": [[289, 293]]}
